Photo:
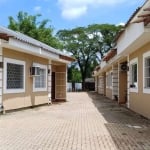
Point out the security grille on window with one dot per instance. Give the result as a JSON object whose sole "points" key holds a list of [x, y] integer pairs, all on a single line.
{"points": [[147, 72], [15, 76], [40, 81]]}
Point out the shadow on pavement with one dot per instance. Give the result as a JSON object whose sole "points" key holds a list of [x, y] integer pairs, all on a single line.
{"points": [[126, 127]]}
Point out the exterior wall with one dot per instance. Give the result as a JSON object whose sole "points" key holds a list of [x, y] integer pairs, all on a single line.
{"points": [[140, 102], [27, 98], [108, 88], [96, 83], [101, 85], [109, 93], [132, 33]]}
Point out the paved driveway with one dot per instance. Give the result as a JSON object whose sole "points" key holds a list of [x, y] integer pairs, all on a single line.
{"points": [[87, 121]]}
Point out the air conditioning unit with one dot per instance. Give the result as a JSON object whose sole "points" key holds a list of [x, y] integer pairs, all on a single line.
{"points": [[124, 67], [35, 71]]}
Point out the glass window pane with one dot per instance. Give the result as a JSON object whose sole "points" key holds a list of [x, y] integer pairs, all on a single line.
{"points": [[40, 81], [133, 74], [147, 72]]}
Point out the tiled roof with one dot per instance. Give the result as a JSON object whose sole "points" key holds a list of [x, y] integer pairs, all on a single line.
{"points": [[110, 54]]}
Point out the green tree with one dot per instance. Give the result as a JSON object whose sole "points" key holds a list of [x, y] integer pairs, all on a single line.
{"points": [[74, 74], [39, 30], [88, 45], [103, 36]]}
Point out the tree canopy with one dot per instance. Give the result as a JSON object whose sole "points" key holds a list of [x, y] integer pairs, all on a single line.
{"points": [[88, 44], [31, 26]]}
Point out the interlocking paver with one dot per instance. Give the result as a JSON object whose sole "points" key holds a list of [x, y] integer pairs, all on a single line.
{"points": [[87, 121]]}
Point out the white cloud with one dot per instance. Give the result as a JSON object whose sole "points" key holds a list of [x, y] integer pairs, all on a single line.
{"points": [[37, 8], [72, 9], [73, 13], [121, 24]]}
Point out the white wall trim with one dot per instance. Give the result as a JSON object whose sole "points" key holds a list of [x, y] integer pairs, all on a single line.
{"points": [[1, 78], [13, 61], [132, 62], [128, 84], [145, 90]]}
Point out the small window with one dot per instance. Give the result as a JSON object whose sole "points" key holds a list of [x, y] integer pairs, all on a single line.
{"points": [[134, 75], [40, 81], [14, 76], [146, 72]]}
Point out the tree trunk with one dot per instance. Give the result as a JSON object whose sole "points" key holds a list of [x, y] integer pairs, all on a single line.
{"points": [[83, 84]]}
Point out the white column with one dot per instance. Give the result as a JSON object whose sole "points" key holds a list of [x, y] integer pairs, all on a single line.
{"points": [[49, 79], [66, 80], [1, 77], [128, 83], [115, 82], [118, 81]]}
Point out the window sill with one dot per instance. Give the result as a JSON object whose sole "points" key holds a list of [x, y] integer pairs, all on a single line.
{"points": [[134, 90], [40, 90], [13, 91], [146, 91]]}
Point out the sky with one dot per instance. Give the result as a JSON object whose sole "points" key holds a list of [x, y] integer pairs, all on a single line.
{"points": [[68, 14]]}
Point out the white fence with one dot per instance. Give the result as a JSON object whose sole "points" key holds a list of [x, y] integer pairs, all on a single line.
{"points": [[77, 86]]}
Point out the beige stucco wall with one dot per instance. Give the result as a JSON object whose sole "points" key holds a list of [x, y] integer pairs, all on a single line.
{"points": [[28, 98], [140, 102], [109, 93], [108, 90]]}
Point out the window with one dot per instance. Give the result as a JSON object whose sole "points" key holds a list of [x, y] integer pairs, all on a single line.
{"points": [[146, 72], [40, 81], [14, 76], [134, 75], [109, 80]]}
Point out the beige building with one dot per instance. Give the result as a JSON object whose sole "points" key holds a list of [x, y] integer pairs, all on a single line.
{"points": [[31, 72], [124, 73]]}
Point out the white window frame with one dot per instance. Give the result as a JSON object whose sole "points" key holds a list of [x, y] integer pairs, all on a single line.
{"points": [[42, 67], [108, 74], [132, 62], [145, 55], [18, 62]]}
